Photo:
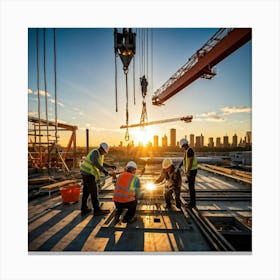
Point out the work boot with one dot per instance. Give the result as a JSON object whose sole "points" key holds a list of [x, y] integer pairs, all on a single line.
{"points": [[85, 212], [167, 207], [101, 212], [190, 205], [130, 221], [117, 218]]}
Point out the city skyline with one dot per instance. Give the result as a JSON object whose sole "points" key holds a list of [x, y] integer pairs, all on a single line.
{"points": [[220, 141]]}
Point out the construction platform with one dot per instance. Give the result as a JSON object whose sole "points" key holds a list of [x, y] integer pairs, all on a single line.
{"points": [[221, 222]]}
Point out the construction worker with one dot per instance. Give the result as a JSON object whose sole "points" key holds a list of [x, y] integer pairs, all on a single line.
{"points": [[173, 182], [126, 192], [190, 168], [90, 170]]}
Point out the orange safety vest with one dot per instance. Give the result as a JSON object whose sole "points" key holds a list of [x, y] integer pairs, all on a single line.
{"points": [[125, 188]]}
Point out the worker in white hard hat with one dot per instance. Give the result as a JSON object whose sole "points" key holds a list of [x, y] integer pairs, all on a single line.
{"points": [[90, 169], [173, 182], [189, 164], [126, 193]]}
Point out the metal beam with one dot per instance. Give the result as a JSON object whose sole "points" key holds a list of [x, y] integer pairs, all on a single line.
{"points": [[185, 119], [214, 51]]}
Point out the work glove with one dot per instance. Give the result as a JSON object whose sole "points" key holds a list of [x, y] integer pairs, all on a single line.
{"points": [[106, 173], [114, 167]]}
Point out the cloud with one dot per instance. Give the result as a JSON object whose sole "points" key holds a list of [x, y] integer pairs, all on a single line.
{"points": [[58, 103], [41, 92], [235, 110], [209, 117], [32, 114]]}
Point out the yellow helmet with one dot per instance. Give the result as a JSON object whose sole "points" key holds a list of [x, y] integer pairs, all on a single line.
{"points": [[167, 162]]}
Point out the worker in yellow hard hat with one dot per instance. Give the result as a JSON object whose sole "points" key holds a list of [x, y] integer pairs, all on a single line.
{"points": [[190, 168], [90, 170], [126, 193], [173, 182]]}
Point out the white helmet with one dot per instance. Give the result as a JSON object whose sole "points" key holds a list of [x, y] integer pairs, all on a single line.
{"points": [[131, 164], [167, 162], [105, 147], [183, 142]]}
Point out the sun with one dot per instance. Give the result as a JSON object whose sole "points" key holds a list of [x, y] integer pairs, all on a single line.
{"points": [[143, 135]]}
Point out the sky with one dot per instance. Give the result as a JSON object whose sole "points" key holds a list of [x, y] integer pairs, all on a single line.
{"points": [[85, 72]]}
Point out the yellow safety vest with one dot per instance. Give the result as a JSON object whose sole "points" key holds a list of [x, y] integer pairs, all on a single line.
{"points": [[187, 161], [88, 167]]}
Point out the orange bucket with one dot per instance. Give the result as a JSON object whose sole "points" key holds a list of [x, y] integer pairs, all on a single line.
{"points": [[70, 193]]}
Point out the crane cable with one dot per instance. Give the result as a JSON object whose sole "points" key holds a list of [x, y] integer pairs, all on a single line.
{"points": [[55, 87], [126, 133], [116, 82], [46, 97], [38, 92]]}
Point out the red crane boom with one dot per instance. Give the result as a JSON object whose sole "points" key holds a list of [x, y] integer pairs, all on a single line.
{"points": [[221, 45]]}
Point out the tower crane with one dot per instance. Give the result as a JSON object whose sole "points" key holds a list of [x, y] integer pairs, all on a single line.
{"points": [[224, 42], [186, 119]]}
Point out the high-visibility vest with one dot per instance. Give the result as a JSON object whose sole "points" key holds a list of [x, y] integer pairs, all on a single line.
{"points": [[125, 188], [88, 167], [187, 161]]}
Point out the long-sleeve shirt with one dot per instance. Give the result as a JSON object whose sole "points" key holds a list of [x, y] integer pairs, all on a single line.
{"points": [[174, 178]]}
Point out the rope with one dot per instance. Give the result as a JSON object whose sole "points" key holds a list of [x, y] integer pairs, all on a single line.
{"points": [[116, 83], [55, 87], [46, 98], [38, 91], [126, 135], [134, 80]]}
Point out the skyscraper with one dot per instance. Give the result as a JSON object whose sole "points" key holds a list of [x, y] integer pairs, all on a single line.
{"points": [[192, 140], [248, 137], [211, 142], [226, 144], [156, 141], [234, 141], [201, 140], [173, 137], [164, 141], [218, 142], [197, 142]]}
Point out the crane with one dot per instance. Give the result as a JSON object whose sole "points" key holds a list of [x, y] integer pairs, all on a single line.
{"points": [[186, 119], [224, 42]]}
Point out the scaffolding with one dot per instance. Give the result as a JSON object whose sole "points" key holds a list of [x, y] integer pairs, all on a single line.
{"points": [[43, 149]]}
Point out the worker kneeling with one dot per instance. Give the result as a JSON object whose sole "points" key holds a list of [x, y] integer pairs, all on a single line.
{"points": [[173, 182], [126, 192]]}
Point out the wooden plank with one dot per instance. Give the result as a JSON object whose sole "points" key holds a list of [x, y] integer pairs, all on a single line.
{"points": [[70, 236], [40, 240], [42, 220], [58, 184]]}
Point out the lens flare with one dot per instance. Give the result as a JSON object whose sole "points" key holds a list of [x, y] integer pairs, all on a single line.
{"points": [[150, 186]]}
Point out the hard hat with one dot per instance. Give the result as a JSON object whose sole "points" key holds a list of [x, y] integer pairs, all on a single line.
{"points": [[167, 162], [183, 142], [131, 164], [105, 147]]}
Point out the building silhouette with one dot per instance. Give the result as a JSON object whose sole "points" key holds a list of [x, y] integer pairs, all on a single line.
{"points": [[211, 142], [173, 137], [234, 141], [225, 142], [156, 141], [192, 140], [197, 142], [218, 142], [164, 141]]}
